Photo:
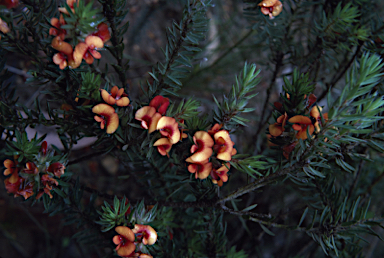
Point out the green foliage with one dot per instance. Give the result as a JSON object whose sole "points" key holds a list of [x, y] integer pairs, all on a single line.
{"points": [[228, 112]]}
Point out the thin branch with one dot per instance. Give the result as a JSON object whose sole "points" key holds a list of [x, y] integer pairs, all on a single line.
{"points": [[86, 157]]}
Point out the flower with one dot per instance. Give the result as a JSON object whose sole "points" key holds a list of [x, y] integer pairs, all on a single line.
{"points": [[301, 123], [160, 103], [117, 97], [224, 145], [169, 128], [4, 27], [214, 129], [86, 50], [201, 169], [57, 169], [64, 54], [43, 148], [202, 148], [277, 129], [163, 146], [107, 117], [9, 3], [148, 117], [56, 30], [25, 189], [124, 241], [47, 182], [146, 233], [31, 168], [70, 3], [271, 7], [13, 183], [11, 167], [219, 176], [103, 32], [315, 113]]}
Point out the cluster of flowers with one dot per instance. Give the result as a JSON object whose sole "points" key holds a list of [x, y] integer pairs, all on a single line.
{"points": [[209, 154], [24, 182], [152, 118], [72, 57], [106, 114], [299, 123], [128, 239], [271, 7], [8, 4]]}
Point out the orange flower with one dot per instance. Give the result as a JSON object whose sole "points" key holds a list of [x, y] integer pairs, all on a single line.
{"points": [[163, 146], [315, 113], [148, 117], [107, 117], [201, 169], [214, 129], [117, 97], [57, 169], [271, 7], [169, 128], [224, 145], [47, 182], [64, 54], [56, 30], [12, 183], [31, 168], [86, 50], [301, 123], [103, 32], [146, 233], [11, 167], [160, 103], [277, 129], [4, 27], [70, 3], [124, 241], [202, 148], [219, 176], [25, 190]]}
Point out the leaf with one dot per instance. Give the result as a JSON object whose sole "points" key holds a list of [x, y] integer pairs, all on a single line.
{"points": [[266, 230]]}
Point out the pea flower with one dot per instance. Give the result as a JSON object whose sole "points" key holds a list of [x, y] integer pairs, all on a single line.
{"points": [[169, 128], [124, 241], [107, 117], [160, 103], [56, 30], [148, 117], [103, 32], [146, 233], [200, 169], [315, 113], [71, 4], [301, 123], [57, 169], [47, 182], [12, 183], [202, 149], [163, 146], [214, 129], [271, 7], [277, 129], [4, 27], [11, 167], [224, 145], [64, 54], [117, 97], [87, 51], [219, 176]]}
